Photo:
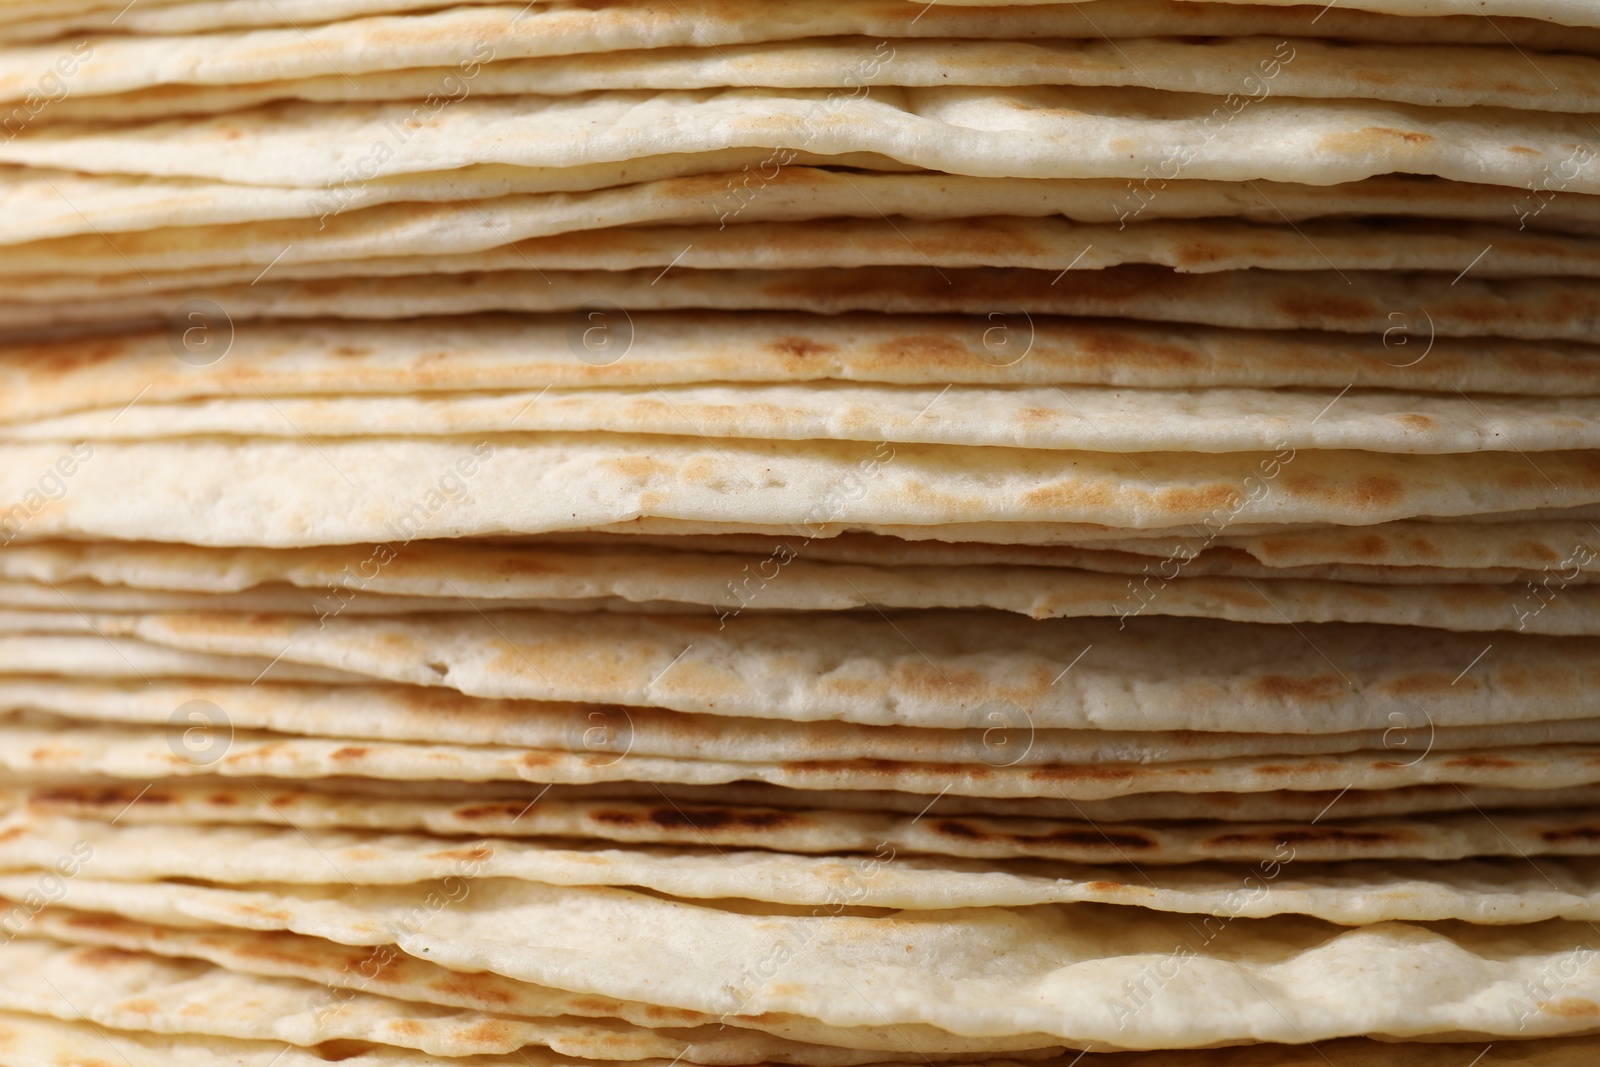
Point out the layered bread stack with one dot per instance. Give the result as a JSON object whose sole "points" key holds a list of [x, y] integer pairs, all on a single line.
{"points": [[832, 533]]}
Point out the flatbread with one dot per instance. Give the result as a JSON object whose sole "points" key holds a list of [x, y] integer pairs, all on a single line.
{"points": [[341, 967], [1566, 12], [528, 353], [1133, 555], [46, 747], [1438, 76], [101, 656], [189, 16], [475, 809], [1159, 542], [681, 583], [452, 239], [1550, 546], [1062, 970], [219, 571], [933, 669], [30, 20], [747, 186], [1077, 838], [995, 243], [1094, 419], [116, 988], [1404, 310], [1031, 132], [609, 734], [36, 1040], [285, 493], [509, 31], [1503, 892]]}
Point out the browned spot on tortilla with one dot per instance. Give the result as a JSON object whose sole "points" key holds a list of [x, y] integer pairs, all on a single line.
{"points": [[1370, 137], [638, 469], [1374, 491], [1087, 839], [106, 957], [490, 811], [488, 1032], [798, 347], [1291, 689], [90, 796], [1479, 762], [1066, 498], [1575, 833], [1208, 499], [1311, 837], [1570, 1008], [721, 819], [480, 989]]}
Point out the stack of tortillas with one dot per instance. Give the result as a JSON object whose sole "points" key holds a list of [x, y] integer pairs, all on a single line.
{"points": [[825, 533]]}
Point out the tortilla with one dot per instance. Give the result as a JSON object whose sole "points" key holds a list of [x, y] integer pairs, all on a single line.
{"points": [[344, 968], [1402, 311], [1094, 419], [1552, 603], [33, 1039], [609, 733], [116, 988], [473, 809], [1487, 892], [40, 746], [237, 258], [283, 493], [1078, 837], [933, 669], [1062, 970], [1024, 132], [506, 31], [1438, 76], [97, 655], [527, 353], [1566, 12], [743, 186], [219, 571]]}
